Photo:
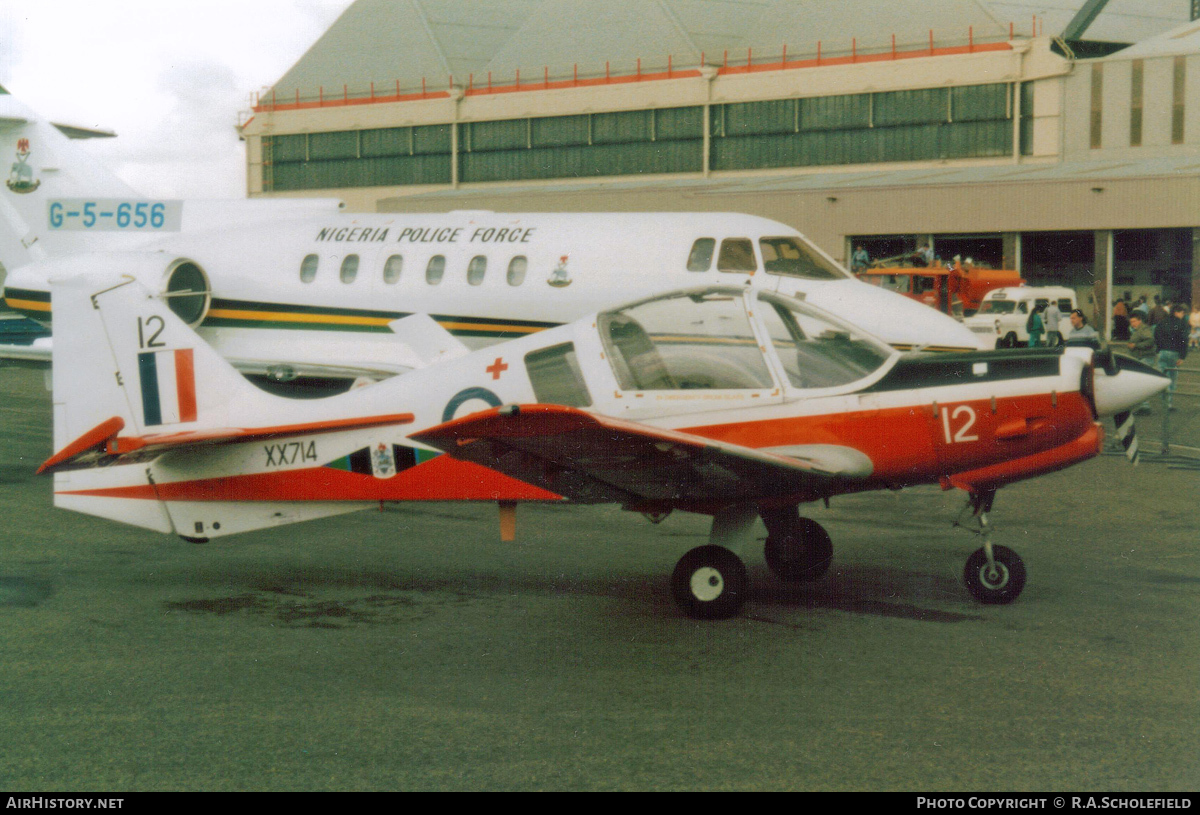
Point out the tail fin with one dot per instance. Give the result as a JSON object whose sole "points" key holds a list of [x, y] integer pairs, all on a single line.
{"points": [[127, 357], [131, 380], [42, 164]]}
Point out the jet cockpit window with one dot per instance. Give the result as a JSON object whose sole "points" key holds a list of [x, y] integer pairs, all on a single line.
{"points": [[816, 350], [476, 269], [737, 255], [793, 257], [556, 376], [392, 268], [698, 341], [349, 269], [700, 258], [435, 269], [516, 270], [308, 268], [997, 307]]}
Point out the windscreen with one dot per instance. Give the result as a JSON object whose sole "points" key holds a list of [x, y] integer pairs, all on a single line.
{"points": [[997, 307], [792, 257]]}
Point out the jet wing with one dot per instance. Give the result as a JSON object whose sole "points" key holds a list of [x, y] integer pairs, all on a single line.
{"points": [[104, 444], [597, 459]]}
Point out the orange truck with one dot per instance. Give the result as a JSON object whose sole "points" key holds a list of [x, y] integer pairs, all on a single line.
{"points": [[955, 290]]}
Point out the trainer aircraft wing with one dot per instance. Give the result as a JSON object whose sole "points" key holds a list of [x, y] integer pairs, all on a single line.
{"points": [[590, 458]]}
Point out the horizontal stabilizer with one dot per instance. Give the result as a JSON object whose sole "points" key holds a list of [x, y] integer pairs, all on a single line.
{"points": [[104, 443], [80, 132], [591, 458]]}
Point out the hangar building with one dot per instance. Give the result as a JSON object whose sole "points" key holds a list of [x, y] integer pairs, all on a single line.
{"points": [[1058, 137]]}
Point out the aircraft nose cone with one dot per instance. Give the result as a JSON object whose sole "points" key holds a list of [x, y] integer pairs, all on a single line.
{"points": [[1133, 383]]}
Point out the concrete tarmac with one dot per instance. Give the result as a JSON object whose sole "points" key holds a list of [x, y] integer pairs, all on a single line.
{"points": [[410, 650]]}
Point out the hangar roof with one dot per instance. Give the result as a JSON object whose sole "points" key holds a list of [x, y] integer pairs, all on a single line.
{"points": [[411, 41], [406, 41]]}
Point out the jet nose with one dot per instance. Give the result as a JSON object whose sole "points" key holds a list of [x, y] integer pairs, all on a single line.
{"points": [[1122, 383], [892, 317]]}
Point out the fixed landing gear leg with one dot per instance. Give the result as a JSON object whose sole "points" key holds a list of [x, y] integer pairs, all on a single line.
{"points": [[994, 575]]}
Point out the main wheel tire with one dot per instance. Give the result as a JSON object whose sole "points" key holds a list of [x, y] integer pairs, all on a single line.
{"points": [[801, 554], [710, 583], [996, 586]]}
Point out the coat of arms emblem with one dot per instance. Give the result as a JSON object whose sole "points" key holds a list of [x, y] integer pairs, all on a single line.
{"points": [[383, 462], [560, 276], [20, 178]]}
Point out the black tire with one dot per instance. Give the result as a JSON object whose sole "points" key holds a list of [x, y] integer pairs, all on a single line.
{"points": [[710, 583], [1010, 340], [1000, 587], [801, 554]]}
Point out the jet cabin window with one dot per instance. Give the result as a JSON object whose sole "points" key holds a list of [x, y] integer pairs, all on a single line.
{"points": [[556, 376], [815, 351], [699, 341], [308, 268], [435, 270], [737, 255], [794, 258], [516, 270], [476, 269], [700, 258], [392, 269], [349, 269]]}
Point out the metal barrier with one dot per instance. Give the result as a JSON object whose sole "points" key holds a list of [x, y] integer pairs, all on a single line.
{"points": [[1187, 387]]}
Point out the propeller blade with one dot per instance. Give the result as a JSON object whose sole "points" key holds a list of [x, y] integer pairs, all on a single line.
{"points": [[1127, 433]]}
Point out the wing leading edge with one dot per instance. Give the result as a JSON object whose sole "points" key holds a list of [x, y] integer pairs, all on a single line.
{"points": [[596, 459]]}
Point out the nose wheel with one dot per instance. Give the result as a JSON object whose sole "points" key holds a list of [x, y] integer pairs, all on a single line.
{"points": [[994, 575], [997, 581]]}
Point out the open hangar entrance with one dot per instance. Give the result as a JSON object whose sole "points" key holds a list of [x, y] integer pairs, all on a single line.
{"points": [[984, 249], [1145, 262]]}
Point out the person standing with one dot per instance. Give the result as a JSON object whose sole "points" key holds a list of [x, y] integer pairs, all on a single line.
{"points": [[1171, 337], [1120, 313], [1050, 319], [1035, 326], [1194, 322], [1082, 333], [860, 260], [1142, 347]]}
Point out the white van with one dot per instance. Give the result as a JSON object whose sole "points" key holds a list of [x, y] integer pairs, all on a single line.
{"points": [[1000, 320]]}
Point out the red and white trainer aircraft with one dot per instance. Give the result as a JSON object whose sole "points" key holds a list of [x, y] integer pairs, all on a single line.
{"points": [[735, 402]]}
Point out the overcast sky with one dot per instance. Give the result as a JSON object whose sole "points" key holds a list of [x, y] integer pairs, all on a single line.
{"points": [[169, 76]]}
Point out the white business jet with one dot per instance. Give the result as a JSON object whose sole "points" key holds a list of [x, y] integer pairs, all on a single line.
{"points": [[299, 288]]}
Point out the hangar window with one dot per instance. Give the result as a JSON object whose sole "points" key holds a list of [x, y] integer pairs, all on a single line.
{"points": [[435, 270], [349, 269], [516, 270], [556, 376], [392, 268], [308, 268], [737, 255], [476, 269], [700, 258]]}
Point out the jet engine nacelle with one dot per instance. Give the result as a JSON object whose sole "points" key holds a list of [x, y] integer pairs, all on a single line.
{"points": [[182, 282]]}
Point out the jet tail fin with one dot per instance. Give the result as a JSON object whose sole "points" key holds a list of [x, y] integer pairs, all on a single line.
{"points": [[40, 163]]}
